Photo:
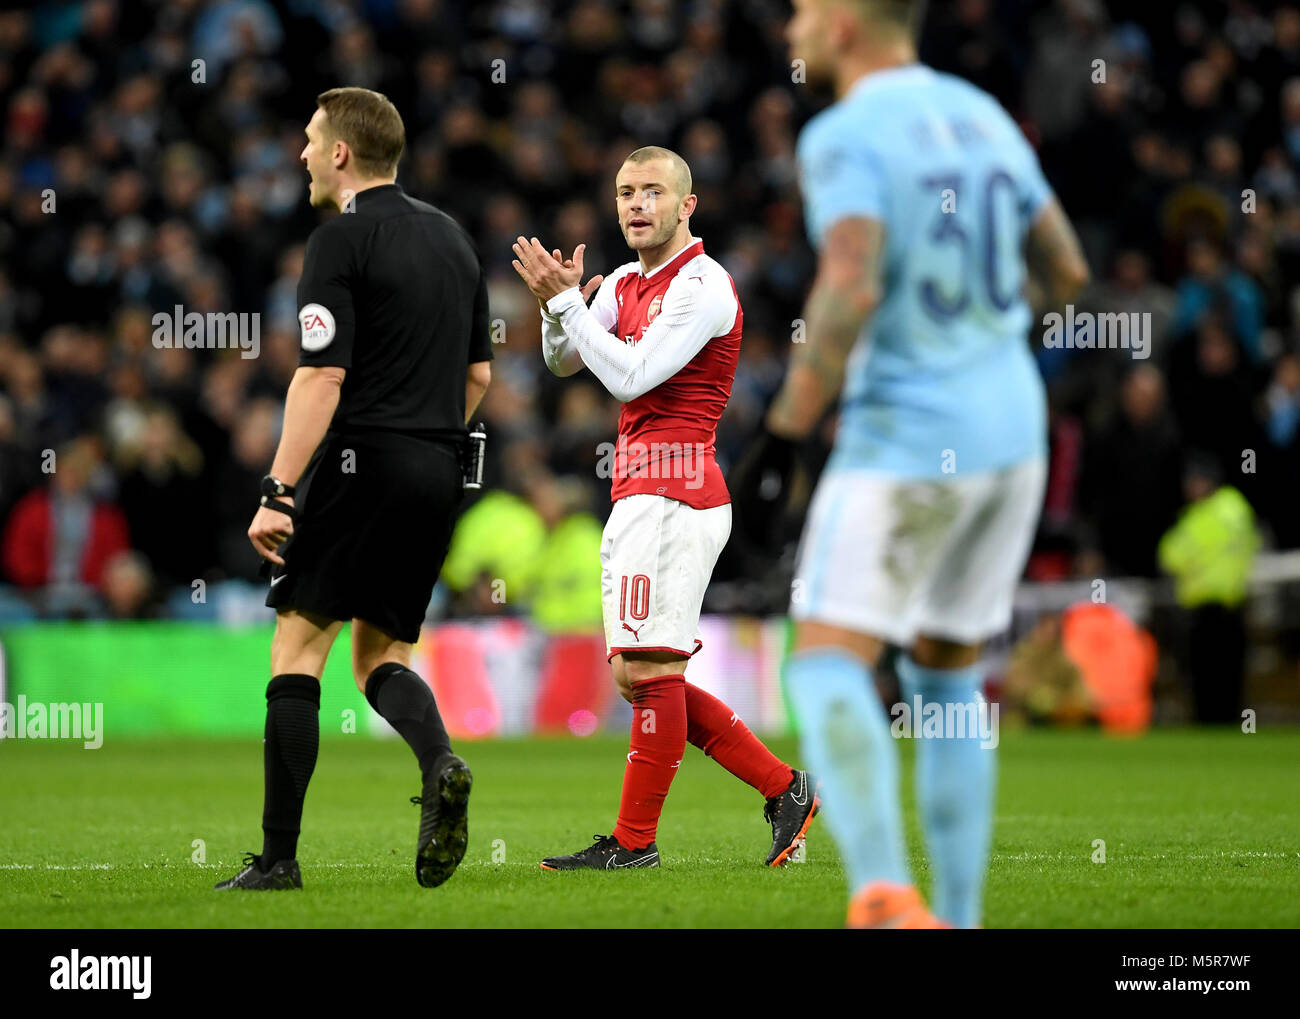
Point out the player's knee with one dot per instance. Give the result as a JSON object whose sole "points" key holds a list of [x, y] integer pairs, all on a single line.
{"points": [[637, 668], [811, 635], [364, 668], [364, 680], [623, 684], [934, 653], [371, 648], [299, 646]]}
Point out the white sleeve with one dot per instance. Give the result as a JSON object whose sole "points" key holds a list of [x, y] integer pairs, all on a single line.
{"points": [[562, 356], [694, 310]]}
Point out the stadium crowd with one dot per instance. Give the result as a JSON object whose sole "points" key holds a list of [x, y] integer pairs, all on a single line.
{"points": [[150, 159]]}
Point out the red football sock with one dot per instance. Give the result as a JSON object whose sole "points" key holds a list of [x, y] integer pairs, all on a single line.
{"points": [[658, 743], [719, 732]]}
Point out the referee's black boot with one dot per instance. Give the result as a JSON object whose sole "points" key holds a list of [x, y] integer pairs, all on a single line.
{"points": [[282, 876], [444, 828]]}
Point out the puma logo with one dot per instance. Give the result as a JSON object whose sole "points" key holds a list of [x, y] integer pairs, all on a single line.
{"points": [[635, 632]]}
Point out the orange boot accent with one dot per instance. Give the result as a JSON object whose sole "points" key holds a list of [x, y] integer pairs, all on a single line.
{"points": [[883, 906]]}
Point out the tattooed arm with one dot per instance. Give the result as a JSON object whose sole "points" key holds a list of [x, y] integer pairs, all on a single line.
{"points": [[1057, 268], [844, 294]]}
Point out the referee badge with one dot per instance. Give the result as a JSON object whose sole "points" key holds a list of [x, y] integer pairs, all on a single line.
{"points": [[317, 327]]}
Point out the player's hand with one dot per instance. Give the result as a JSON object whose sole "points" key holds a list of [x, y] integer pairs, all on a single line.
{"points": [[590, 286], [269, 530], [544, 274], [759, 484]]}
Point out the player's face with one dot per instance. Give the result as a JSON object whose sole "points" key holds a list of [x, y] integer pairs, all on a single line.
{"points": [[317, 156], [806, 34], [647, 204]]}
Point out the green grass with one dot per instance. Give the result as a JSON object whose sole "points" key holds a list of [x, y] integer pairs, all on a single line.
{"points": [[1201, 830]]}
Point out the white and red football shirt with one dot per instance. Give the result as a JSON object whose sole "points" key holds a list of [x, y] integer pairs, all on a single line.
{"points": [[664, 343]]}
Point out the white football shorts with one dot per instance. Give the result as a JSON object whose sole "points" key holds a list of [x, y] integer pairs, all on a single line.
{"points": [[656, 558], [897, 557]]}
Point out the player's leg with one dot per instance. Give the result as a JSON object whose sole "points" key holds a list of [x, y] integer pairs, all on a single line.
{"points": [[863, 558], [381, 667], [969, 600], [299, 650], [789, 801], [955, 775], [844, 735], [650, 637], [657, 743], [690, 541], [721, 734], [652, 682]]}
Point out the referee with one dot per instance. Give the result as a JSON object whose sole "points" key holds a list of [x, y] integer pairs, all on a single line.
{"points": [[358, 509]]}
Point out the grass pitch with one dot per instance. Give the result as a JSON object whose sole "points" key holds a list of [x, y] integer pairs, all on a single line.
{"points": [[1201, 829]]}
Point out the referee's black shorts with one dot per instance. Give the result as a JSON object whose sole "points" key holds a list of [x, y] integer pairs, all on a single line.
{"points": [[370, 544]]}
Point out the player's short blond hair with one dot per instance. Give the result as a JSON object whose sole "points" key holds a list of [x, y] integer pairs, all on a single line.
{"points": [[681, 173]]}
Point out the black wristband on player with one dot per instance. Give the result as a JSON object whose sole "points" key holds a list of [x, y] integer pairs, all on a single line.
{"points": [[272, 488]]}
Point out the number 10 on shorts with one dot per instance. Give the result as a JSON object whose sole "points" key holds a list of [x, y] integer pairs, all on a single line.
{"points": [[640, 607]]}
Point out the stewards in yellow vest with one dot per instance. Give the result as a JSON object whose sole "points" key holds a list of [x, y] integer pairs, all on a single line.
{"points": [[1210, 552]]}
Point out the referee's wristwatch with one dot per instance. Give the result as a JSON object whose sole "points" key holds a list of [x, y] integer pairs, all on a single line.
{"points": [[272, 489]]}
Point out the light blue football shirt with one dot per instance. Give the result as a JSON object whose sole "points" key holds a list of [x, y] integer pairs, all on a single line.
{"points": [[943, 372]]}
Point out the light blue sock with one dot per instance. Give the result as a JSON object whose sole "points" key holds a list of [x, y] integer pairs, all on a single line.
{"points": [[955, 784], [846, 745]]}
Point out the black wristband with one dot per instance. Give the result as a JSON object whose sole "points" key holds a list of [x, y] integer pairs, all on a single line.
{"points": [[272, 488], [281, 507]]}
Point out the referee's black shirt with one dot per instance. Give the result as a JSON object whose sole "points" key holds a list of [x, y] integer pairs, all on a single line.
{"points": [[393, 292]]}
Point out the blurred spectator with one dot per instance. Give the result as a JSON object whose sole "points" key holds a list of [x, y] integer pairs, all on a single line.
{"points": [[252, 446], [1210, 552], [1208, 370], [164, 498], [566, 595], [1213, 285], [537, 555], [1131, 480], [60, 538], [128, 588], [493, 556]]}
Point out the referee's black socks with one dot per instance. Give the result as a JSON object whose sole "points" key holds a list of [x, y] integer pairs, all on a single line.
{"points": [[406, 703], [292, 740]]}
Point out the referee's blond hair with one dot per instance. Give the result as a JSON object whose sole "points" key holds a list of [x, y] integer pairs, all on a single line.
{"points": [[371, 126]]}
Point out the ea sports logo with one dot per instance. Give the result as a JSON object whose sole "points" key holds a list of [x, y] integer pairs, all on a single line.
{"points": [[317, 327]]}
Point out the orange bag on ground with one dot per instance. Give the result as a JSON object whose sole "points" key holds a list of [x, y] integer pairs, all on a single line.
{"points": [[1117, 660]]}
